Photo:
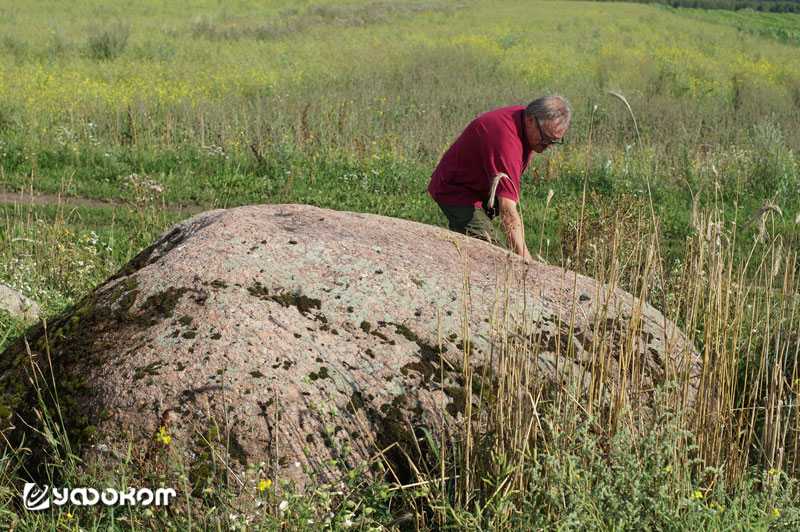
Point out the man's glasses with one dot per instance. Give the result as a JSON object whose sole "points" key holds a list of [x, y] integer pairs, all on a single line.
{"points": [[546, 142]]}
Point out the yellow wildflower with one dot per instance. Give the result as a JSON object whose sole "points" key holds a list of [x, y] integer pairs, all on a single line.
{"points": [[264, 484], [163, 437]]}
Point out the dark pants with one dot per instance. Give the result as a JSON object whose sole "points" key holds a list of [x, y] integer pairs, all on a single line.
{"points": [[472, 221]]}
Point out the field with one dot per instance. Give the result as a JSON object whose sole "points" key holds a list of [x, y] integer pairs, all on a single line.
{"points": [[130, 115]]}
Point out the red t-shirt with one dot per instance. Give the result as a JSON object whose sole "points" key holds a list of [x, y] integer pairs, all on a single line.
{"points": [[494, 142]]}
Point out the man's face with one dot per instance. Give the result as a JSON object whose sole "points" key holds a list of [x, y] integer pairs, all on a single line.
{"points": [[542, 135]]}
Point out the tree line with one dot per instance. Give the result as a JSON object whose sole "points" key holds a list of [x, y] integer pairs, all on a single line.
{"points": [[765, 6]]}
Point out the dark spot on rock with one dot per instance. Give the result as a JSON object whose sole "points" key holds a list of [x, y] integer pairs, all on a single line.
{"points": [[366, 326], [459, 400], [309, 438], [158, 306], [216, 283], [216, 336], [350, 310], [379, 272], [150, 369], [427, 365], [189, 335], [370, 353], [304, 304], [185, 320], [179, 366], [356, 402], [406, 332], [583, 298], [293, 242], [465, 346], [319, 360], [256, 374], [298, 335]]}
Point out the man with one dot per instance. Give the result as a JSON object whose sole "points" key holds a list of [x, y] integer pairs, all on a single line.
{"points": [[491, 152]]}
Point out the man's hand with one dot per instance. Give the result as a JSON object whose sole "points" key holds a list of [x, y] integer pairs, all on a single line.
{"points": [[511, 224]]}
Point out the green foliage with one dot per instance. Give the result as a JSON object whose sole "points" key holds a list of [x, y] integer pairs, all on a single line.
{"points": [[107, 41]]}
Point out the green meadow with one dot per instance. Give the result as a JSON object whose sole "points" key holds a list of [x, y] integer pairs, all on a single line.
{"points": [[683, 189]]}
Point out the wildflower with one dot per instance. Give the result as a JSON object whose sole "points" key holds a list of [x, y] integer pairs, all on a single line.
{"points": [[697, 495], [283, 505], [264, 484], [163, 437], [776, 512], [668, 468]]}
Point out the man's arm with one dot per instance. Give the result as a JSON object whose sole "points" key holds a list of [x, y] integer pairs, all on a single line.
{"points": [[511, 224]]}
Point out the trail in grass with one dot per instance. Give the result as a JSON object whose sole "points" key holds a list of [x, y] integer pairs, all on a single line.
{"points": [[43, 199]]}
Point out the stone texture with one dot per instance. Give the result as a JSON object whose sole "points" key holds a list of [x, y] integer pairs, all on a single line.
{"points": [[236, 326], [17, 305]]}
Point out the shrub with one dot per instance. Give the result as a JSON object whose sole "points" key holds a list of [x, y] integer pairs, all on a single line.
{"points": [[108, 41]]}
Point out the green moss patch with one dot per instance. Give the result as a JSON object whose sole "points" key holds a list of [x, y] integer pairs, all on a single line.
{"points": [[304, 304]]}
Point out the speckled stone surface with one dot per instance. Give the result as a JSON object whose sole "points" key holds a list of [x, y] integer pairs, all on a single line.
{"points": [[17, 305], [237, 326]]}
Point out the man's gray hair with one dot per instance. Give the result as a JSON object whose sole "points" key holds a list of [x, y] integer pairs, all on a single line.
{"points": [[551, 107]]}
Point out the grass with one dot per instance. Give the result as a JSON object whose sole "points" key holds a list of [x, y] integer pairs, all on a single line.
{"points": [[232, 103], [784, 28]]}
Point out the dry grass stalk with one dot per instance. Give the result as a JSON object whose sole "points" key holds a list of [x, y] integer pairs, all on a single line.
{"points": [[493, 189], [622, 98], [761, 216]]}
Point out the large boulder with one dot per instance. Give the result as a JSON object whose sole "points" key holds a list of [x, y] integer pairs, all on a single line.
{"points": [[280, 332]]}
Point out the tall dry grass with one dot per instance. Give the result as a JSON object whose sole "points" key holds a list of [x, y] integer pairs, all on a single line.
{"points": [[734, 421]]}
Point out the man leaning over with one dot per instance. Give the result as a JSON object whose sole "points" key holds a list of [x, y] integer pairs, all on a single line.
{"points": [[493, 151]]}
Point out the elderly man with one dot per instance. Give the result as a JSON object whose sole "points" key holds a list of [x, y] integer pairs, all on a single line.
{"points": [[479, 176]]}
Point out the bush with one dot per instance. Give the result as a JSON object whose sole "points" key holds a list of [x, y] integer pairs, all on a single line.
{"points": [[108, 42]]}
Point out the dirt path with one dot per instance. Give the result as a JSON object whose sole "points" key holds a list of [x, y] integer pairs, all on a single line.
{"points": [[40, 198]]}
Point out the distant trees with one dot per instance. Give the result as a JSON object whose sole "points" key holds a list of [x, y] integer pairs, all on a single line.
{"points": [[766, 6]]}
